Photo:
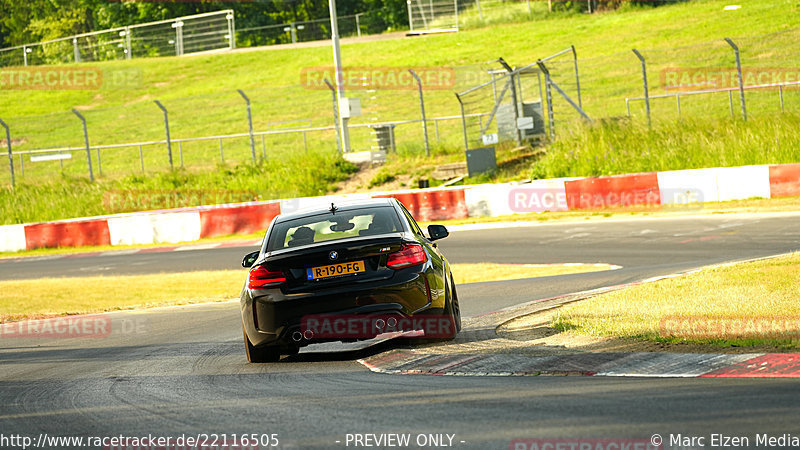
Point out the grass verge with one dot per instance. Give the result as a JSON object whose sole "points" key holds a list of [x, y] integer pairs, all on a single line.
{"points": [[26, 299], [741, 305]]}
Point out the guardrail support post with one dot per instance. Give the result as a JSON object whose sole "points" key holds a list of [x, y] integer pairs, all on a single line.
{"points": [[166, 126], [10, 156], [646, 87], [422, 108], [250, 124], [739, 72], [86, 141]]}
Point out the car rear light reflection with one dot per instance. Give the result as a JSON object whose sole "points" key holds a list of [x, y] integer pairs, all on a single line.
{"points": [[261, 277], [410, 255]]}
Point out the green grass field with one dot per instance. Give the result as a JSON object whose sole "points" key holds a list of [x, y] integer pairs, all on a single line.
{"points": [[745, 304], [200, 94]]}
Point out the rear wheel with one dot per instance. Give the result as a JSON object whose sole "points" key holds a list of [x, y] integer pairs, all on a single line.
{"points": [[260, 354], [455, 307], [452, 308]]}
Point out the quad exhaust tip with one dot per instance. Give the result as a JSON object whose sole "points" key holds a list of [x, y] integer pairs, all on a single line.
{"points": [[297, 336], [308, 335]]}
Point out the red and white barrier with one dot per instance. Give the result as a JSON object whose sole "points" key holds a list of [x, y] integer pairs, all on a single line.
{"points": [[784, 180], [12, 238], [190, 224]]}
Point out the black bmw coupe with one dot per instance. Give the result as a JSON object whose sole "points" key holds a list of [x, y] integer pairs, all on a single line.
{"points": [[343, 273]]}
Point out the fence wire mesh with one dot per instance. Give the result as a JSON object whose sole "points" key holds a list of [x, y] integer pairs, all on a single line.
{"points": [[683, 82]]}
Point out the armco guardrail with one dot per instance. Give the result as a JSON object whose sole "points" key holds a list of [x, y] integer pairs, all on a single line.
{"points": [[641, 189]]}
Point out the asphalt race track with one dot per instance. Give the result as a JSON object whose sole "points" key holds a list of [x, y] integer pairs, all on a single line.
{"points": [[182, 371]]}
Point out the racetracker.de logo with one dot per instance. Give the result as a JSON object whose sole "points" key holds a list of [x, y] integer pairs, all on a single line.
{"points": [[696, 79], [68, 78], [353, 326], [770, 327], [587, 444], [383, 78], [96, 326]]}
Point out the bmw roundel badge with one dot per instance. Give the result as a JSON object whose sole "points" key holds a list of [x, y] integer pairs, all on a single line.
{"points": [[333, 255]]}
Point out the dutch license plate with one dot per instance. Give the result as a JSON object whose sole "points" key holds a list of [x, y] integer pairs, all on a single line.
{"points": [[335, 270]]}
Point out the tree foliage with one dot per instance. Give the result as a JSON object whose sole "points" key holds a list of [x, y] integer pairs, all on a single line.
{"points": [[29, 21]]}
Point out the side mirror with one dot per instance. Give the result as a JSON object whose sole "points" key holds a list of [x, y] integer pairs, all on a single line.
{"points": [[437, 232], [250, 259]]}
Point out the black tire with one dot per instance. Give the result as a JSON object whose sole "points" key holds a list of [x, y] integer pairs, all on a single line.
{"points": [[260, 354], [452, 308], [455, 307]]}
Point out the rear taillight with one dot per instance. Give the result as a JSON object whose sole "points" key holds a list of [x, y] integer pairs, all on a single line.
{"points": [[261, 277], [410, 255]]}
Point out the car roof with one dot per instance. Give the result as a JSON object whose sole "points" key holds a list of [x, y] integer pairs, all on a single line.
{"points": [[343, 206]]}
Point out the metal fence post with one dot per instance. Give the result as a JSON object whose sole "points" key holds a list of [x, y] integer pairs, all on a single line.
{"points": [[231, 30], [166, 126], [549, 96], [480, 12], [739, 72], [76, 49], [264, 147], [780, 93], [511, 74], [250, 124], [358, 25], [180, 152], [141, 158], [10, 156], [86, 141], [221, 152], [25, 56], [577, 75], [730, 102], [335, 116], [422, 108], [178, 25], [463, 122], [128, 49], [646, 87]]}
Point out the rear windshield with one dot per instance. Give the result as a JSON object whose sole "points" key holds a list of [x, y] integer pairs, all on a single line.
{"points": [[328, 227]]}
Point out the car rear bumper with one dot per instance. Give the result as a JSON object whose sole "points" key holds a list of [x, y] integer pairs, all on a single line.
{"points": [[273, 318]]}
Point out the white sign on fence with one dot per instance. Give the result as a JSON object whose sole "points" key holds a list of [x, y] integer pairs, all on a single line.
{"points": [[51, 157], [490, 139]]}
